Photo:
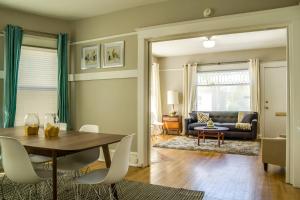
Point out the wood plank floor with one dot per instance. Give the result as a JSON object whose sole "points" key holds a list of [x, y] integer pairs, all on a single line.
{"points": [[220, 176]]}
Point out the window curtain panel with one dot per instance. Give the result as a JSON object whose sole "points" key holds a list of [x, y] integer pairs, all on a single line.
{"points": [[62, 92], [254, 85], [156, 110], [12, 50], [189, 88]]}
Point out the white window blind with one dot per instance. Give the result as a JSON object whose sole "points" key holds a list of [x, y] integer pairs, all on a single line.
{"points": [[37, 83], [223, 91], [38, 68], [223, 77]]}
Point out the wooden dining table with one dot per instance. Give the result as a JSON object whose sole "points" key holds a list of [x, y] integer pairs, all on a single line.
{"points": [[67, 142]]}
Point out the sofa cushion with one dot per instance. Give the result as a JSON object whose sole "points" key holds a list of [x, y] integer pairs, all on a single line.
{"points": [[224, 117], [231, 126]]}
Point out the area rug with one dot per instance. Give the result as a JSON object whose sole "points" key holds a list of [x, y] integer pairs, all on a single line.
{"points": [[127, 190], [250, 148]]}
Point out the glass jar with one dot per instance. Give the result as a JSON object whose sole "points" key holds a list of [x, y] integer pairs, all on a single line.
{"points": [[31, 122], [51, 125]]}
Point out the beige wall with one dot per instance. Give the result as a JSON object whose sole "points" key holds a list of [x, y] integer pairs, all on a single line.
{"points": [[33, 22], [171, 67], [111, 104], [130, 44], [165, 12]]}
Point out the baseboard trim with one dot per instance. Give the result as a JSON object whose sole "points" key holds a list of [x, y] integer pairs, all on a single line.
{"points": [[103, 75], [133, 160]]}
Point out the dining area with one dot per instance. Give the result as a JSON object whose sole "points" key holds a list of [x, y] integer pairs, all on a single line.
{"points": [[41, 158]]}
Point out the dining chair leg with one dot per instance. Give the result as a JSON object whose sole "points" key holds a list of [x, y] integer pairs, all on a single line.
{"points": [[54, 175], [114, 192]]}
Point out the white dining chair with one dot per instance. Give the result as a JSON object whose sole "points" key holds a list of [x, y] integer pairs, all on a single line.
{"points": [[18, 167], [75, 162], [107, 177]]}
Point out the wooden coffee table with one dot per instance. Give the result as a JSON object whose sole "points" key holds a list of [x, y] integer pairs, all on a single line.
{"points": [[216, 132]]}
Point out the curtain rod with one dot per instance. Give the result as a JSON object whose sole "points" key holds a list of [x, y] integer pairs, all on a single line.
{"points": [[38, 33], [220, 63]]}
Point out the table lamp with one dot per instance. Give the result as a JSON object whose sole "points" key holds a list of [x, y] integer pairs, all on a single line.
{"points": [[172, 99]]}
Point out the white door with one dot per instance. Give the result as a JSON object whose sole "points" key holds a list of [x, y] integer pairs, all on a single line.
{"points": [[275, 101]]}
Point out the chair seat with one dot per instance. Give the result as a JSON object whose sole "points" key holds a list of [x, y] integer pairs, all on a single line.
{"points": [[95, 177], [43, 173], [73, 162], [39, 159], [78, 160]]}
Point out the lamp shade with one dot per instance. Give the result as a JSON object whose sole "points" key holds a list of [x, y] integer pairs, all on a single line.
{"points": [[172, 97]]}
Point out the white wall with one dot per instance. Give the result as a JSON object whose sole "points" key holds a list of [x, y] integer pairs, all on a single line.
{"points": [[171, 67]]}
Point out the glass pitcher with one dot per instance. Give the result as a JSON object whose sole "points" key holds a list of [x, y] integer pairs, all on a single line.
{"points": [[31, 122], [51, 125]]}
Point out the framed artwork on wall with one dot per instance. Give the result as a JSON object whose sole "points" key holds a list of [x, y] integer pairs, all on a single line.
{"points": [[90, 57], [113, 54]]}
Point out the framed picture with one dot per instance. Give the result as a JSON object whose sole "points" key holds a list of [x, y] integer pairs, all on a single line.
{"points": [[90, 57], [113, 54]]}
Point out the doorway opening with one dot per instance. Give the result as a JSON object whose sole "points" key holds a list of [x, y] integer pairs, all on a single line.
{"points": [[238, 81]]}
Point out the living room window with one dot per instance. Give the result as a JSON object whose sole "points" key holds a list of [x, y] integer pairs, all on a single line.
{"points": [[37, 83], [223, 91]]}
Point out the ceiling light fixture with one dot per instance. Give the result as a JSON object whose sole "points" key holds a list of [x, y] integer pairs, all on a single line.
{"points": [[209, 43]]}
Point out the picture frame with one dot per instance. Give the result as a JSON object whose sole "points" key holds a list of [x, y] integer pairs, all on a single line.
{"points": [[113, 54], [90, 57]]}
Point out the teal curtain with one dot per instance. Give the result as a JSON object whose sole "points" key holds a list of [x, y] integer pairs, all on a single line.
{"points": [[12, 51], [62, 102]]}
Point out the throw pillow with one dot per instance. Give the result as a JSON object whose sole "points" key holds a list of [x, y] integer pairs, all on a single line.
{"points": [[240, 116], [202, 117], [243, 126], [248, 118]]}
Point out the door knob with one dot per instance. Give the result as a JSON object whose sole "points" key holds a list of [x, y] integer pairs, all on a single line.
{"points": [[266, 107]]}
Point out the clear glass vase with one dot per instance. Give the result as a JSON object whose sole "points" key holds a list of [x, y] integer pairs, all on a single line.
{"points": [[51, 125], [31, 122]]}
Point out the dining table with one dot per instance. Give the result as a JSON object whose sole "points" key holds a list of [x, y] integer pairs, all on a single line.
{"points": [[66, 143]]}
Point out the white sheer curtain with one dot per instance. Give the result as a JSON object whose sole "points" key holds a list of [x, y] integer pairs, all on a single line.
{"points": [[156, 113], [189, 88], [254, 85]]}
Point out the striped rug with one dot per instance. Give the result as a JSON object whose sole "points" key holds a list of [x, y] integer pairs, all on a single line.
{"points": [[127, 190]]}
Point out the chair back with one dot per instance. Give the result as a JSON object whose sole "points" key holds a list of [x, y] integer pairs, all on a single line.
{"points": [[120, 161], [90, 155], [16, 162], [89, 128]]}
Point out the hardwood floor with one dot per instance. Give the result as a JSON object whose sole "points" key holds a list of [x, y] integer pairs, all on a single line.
{"points": [[220, 176]]}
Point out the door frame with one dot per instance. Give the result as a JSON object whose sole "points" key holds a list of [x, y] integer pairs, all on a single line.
{"points": [[288, 17], [264, 65]]}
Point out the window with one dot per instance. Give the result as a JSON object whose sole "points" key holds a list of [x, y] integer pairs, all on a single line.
{"points": [[223, 91], [37, 83]]}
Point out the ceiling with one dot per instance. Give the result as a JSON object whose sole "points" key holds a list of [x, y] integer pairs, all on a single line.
{"points": [[73, 9], [229, 42]]}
